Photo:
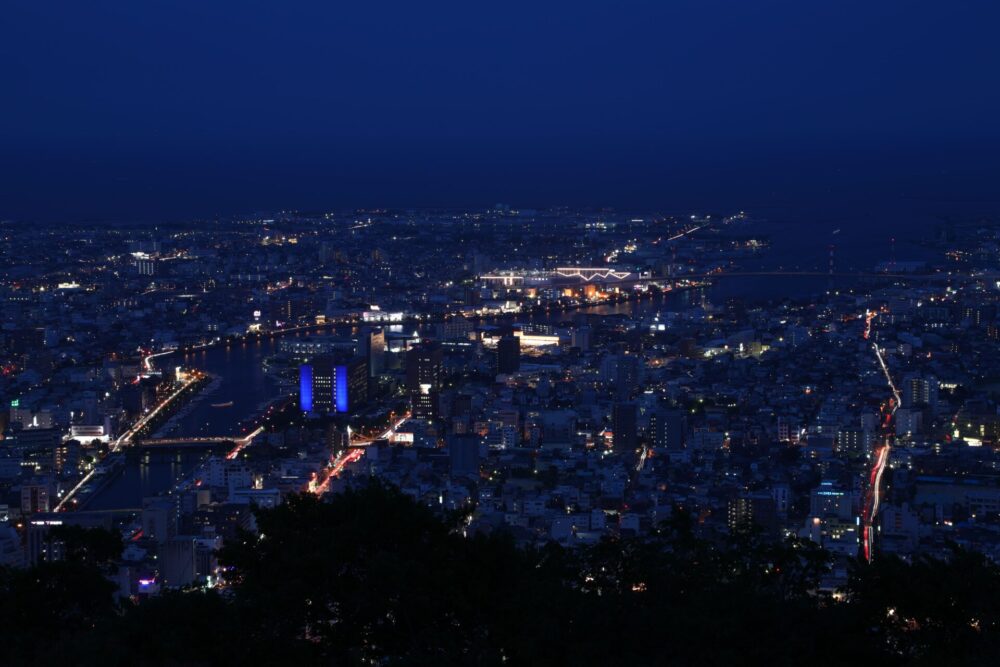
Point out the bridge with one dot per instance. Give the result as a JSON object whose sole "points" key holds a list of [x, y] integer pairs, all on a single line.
{"points": [[614, 277], [238, 442], [180, 443], [123, 443], [175, 442]]}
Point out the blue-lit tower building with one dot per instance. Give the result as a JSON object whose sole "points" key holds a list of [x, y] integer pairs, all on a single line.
{"points": [[332, 385]]}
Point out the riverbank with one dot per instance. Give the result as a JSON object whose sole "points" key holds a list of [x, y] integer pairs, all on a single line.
{"points": [[420, 320]]}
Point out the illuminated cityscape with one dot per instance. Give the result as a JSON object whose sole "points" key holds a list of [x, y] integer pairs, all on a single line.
{"points": [[747, 415]]}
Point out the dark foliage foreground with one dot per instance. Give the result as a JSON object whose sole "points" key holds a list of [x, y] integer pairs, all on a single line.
{"points": [[370, 577]]}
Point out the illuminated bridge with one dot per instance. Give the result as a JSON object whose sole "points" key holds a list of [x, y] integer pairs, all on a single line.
{"points": [[181, 442], [589, 275], [566, 276], [611, 276], [238, 441]]}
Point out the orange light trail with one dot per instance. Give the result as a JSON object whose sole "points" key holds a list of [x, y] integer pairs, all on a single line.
{"points": [[318, 487]]}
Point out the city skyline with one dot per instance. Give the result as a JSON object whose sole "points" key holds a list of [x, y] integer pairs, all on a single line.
{"points": [[535, 334]]}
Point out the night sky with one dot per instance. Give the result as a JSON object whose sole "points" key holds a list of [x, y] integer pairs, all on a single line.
{"points": [[155, 110]]}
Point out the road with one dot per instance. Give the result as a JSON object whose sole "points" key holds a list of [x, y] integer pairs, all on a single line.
{"points": [[686, 232], [320, 484], [384, 435], [887, 413]]}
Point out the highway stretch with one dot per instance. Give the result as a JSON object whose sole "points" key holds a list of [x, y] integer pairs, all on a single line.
{"points": [[887, 411], [320, 483]]}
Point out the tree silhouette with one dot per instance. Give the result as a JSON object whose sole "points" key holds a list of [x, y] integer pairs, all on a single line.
{"points": [[371, 576]]}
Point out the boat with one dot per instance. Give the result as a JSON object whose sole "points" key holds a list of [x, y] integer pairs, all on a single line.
{"points": [[227, 404]]}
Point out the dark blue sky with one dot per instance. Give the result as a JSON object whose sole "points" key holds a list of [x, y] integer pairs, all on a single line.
{"points": [[158, 109]]}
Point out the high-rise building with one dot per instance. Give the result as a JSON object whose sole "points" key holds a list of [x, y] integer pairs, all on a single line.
{"points": [[508, 355], [66, 456], [424, 366], [624, 420], [373, 350], [457, 328], [159, 519], [581, 338], [622, 372], [424, 369], [920, 391], [851, 441], [329, 384], [34, 498], [909, 422], [39, 544], [463, 455], [337, 439], [758, 510], [666, 428]]}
